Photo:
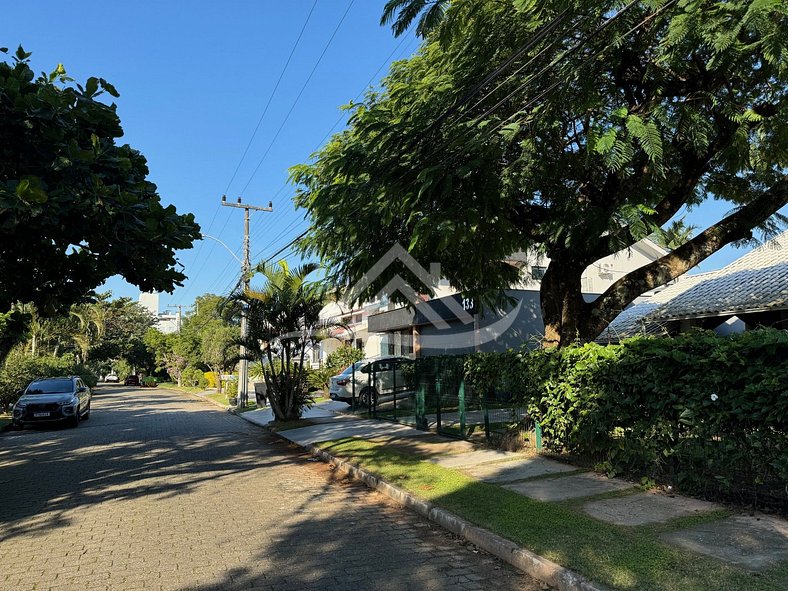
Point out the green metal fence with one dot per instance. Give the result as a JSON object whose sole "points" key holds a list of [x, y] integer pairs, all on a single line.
{"points": [[431, 393]]}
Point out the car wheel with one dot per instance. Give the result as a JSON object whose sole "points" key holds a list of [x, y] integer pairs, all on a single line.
{"points": [[75, 421], [368, 393], [86, 416]]}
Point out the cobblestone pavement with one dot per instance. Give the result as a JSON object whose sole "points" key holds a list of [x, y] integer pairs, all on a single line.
{"points": [[163, 491]]}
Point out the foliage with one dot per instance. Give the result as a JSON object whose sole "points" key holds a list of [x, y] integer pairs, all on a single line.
{"points": [[284, 322], [167, 349], [122, 369], [75, 207], [219, 349], [407, 11], [19, 370], [590, 139], [335, 363], [150, 382], [676, 234], [193, 377], [708, 413]]}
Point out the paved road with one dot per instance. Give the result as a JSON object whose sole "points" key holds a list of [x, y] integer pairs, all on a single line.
{"points": [[163, 491]]}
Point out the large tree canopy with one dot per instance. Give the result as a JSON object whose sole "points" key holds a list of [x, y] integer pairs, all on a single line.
{"points": [[606, 121], [75, 207]]}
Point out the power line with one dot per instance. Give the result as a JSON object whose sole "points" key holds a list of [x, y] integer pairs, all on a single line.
{"points": [[301, 92], [372, 78], [271, 97], [543, 94], [248, 145]]}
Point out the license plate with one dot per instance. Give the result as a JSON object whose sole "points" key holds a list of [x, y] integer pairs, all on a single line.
{"points": [[39, 415]]}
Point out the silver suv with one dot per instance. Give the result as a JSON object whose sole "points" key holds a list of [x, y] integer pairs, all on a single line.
{"points": [[53, 400]]}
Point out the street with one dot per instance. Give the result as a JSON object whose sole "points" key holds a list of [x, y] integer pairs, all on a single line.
{"points": [[159, 490]]}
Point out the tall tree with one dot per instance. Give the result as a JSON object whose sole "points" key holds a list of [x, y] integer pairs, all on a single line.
{"points": [[284, 321], [402, 13], [676, 234], [75, 207], [603, 123]]}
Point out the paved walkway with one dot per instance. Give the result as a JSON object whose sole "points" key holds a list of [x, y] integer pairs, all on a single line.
{"points": [[755, 542], [160, 490]]}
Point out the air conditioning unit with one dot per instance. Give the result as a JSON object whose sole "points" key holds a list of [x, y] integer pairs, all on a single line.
{"points": [[605, 268]]}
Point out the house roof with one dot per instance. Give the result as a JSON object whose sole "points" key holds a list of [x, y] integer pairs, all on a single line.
{"points": [[756, 282]]}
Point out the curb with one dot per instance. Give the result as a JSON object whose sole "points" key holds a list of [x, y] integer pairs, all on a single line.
{"points": [[530, 563]]}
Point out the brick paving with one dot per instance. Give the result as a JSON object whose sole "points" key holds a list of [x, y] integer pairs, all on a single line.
{"points": [[162, 491]]}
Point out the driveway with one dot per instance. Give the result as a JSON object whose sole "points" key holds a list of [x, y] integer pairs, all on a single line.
{"points": [[163, 491]]}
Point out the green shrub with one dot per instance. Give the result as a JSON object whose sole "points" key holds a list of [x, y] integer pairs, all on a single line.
{"points": [[708, 413], [193, 377], [150, 382], [19, 370]]}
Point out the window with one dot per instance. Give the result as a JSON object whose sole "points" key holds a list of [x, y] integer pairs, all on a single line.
{"points": [[538, 272], [360, 344], [357, 319]]}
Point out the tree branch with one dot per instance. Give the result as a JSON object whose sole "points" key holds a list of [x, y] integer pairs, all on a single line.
{"points": [[736, 226]]}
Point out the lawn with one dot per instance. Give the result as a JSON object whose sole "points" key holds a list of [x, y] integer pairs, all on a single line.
{"points": [[617, 557]]}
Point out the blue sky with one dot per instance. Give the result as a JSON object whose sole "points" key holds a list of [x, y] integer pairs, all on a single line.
{"points": [[194, 79]]}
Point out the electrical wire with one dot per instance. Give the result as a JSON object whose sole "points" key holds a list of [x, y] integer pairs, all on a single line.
{"points": [[298, 97]]}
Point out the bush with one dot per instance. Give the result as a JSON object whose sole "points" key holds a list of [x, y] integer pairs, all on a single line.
{"points": [[193, 377], [707, 413], [150, 382], [19, 370]]}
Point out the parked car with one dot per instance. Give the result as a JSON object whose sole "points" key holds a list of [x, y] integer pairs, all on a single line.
{"points": [[51, 400], [111, 378], [132, 380], [388, 378]]}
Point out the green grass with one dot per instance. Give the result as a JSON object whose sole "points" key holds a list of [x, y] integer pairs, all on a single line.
{"points": [[618, 557]]}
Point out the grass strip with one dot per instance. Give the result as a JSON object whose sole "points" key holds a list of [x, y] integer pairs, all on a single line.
{"points": [[617, 557]]}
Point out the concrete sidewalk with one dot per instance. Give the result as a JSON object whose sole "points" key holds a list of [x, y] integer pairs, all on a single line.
{"points": [[753, 542]]}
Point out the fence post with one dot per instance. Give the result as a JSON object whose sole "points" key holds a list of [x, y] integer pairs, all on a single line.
{"points": [[421, 418], [538, 432], [438, 394], [461, 400], [353, 387]]}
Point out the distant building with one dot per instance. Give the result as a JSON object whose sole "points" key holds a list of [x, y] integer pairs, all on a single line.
{"points": [[166, 323]]}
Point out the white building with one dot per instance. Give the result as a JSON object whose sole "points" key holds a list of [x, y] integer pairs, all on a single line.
{"points": [[166, 323]]}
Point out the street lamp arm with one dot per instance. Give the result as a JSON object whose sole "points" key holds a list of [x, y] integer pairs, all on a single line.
{"points": [[227, 248]]}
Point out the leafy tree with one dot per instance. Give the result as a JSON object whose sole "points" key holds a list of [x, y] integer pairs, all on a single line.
{"points": [[219, 350], [591, 139], [676, 234], [169, 353], [284, 321], [75, 207]]}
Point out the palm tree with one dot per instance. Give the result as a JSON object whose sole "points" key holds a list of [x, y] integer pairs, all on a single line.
{"points": [[284, 320], [92, 323], [406, 11], [676, 234]]}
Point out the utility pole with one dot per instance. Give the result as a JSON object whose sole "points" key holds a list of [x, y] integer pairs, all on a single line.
{"points": [[246, 267], [180, 315]]}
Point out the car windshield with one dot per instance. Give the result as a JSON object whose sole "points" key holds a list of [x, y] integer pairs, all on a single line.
{"points": [[50, 387], [349, 369]]}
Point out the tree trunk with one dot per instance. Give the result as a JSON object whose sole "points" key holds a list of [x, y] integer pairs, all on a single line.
{"points": [[562, 304]]}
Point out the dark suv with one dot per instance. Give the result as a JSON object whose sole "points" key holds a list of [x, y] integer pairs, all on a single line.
{"points": [[52, 400]]}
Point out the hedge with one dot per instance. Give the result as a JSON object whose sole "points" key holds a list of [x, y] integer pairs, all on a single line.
{"points": [[708, 414], [19, 370]]}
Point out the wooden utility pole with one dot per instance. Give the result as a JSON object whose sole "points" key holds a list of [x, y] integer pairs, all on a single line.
{"points": [[243, 366]]}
